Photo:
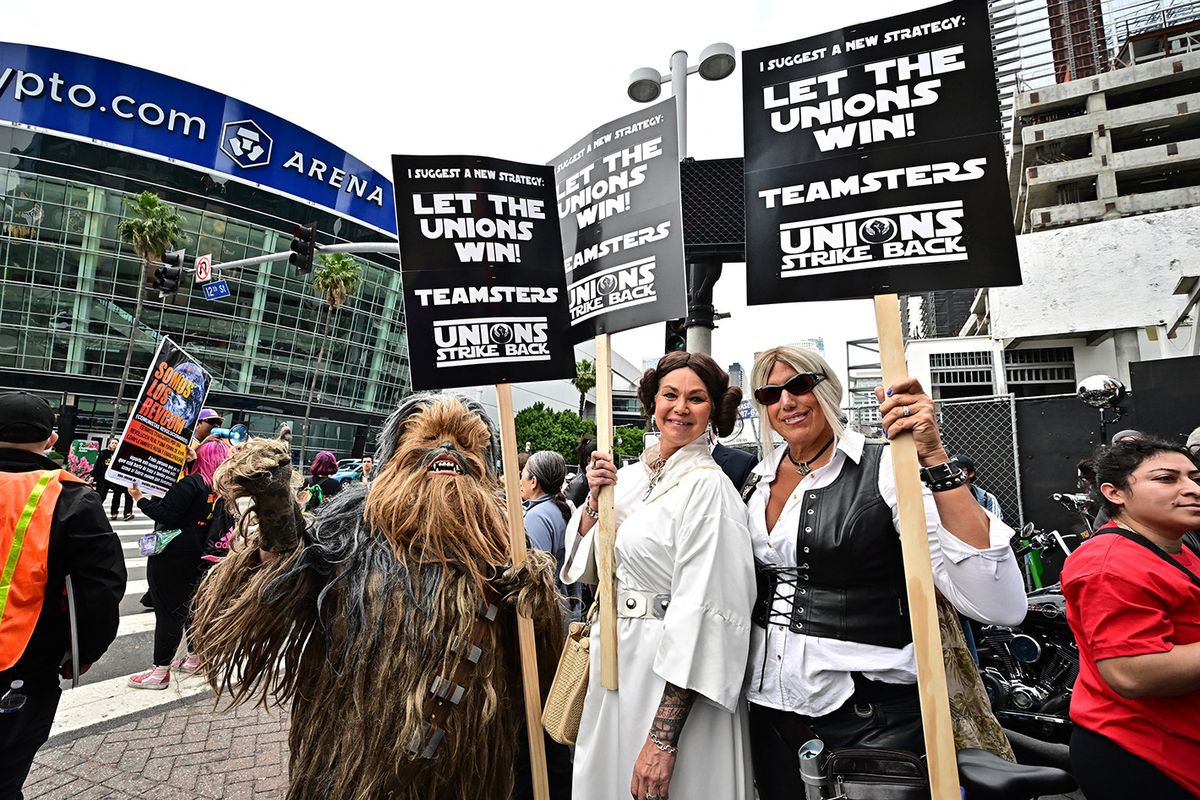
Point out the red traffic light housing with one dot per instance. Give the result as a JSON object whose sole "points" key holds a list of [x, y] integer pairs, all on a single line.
{"points": [[304, 247]]}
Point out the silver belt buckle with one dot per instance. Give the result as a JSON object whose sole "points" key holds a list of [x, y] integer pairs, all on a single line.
{"points": [[631, 605], [638, 605]]}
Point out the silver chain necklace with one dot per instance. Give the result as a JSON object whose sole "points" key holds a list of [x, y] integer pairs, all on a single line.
{"points": [[656, 471]]}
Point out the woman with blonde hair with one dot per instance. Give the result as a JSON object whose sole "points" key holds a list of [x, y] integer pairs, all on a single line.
{"points": [[684, 579], [831, 646]]}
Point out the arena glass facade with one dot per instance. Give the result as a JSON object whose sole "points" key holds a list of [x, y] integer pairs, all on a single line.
{"points": [[68, 283]]}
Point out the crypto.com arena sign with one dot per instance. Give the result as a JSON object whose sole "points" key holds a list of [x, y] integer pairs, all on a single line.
{"points": [[102, 101]]}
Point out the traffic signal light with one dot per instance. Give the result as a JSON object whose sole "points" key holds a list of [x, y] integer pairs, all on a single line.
{"points": [[675, 335], [169, 274], [304, 247]]}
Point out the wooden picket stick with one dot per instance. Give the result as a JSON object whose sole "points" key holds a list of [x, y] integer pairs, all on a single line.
{"points": [[608, 528], [517, 550], [918, 573]]}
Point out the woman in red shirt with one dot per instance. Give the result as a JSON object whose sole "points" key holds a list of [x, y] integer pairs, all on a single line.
{"points": [[1133, 601]]}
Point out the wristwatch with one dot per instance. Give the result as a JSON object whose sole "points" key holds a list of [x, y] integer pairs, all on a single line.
{"points": [[943, 477]]}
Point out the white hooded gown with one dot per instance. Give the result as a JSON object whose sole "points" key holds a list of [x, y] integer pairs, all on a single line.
{"points": [[686, 538]]}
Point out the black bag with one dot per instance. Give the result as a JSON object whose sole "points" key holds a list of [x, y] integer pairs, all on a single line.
{"points": [[868, 773], [219, 534]]}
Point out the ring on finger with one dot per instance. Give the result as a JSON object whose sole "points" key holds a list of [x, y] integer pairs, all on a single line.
{"points": [[905, 411]]}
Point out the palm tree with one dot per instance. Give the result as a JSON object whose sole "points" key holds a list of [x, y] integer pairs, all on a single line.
{"points": [[151, 228], [585, 381], [336, 279]]}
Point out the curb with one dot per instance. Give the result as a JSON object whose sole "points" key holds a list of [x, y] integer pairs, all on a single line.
{"points": [[105, 725]]}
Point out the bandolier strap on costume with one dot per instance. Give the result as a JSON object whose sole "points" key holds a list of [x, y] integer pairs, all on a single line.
{"points": [[27, 501], [446, 693]]}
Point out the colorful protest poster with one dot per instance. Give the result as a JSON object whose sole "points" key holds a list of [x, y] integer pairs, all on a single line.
{"points": [[153, 446], [81, 459]]}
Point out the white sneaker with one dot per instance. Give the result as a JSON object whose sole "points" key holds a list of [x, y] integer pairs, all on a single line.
{"points": [[154, 678], [188, 665]]}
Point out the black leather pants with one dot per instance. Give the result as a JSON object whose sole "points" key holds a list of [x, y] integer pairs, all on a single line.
{"points": [[879, 715]]}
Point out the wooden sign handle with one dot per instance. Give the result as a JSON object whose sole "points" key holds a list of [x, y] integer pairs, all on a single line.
{"points": [[608, 527], [516, 547], [918, 573]]}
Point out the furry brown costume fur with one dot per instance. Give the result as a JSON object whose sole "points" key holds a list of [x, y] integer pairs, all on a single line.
{"points": [[353, 624]]}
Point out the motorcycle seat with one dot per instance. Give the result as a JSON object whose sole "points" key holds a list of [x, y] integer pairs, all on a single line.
{"points": [[987, 776]]}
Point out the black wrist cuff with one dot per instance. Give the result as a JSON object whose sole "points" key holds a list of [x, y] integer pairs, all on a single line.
{"points": [[943, 477]]}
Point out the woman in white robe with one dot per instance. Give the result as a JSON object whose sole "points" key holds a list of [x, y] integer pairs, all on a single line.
{"points": [[684, 579]]}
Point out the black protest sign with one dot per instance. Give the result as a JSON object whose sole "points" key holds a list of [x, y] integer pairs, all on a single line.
{"points": [[480, 254], [874, 161], [153, 447], [622, 227]]}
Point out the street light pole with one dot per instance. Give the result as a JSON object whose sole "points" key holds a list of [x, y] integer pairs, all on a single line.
{"points": [[679, 73], [717, 61]]}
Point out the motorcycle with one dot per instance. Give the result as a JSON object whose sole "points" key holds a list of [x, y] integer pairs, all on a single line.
{"points": [[862, 773], [1029, 670], [1078, 504]]}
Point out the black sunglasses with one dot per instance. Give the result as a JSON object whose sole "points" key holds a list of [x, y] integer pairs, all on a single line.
{"points": [[798, 384]]}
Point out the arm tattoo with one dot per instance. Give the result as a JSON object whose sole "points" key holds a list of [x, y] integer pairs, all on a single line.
{"points": [[672, 713]]}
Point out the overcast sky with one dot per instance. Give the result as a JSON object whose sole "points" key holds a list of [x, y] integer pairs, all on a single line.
{"points": [[516, 80]]}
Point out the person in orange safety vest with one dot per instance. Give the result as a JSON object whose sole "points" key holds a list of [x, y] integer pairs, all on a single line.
{"points": [[52, 525]]}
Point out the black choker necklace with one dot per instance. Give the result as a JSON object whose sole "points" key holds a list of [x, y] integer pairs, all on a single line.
{"points": [[805, 467]]}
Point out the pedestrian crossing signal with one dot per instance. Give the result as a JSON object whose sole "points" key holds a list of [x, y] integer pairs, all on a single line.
{"points": [[675, 336]]}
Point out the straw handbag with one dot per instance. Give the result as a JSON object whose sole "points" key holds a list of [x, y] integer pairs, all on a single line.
{"points": [[564, 703]]}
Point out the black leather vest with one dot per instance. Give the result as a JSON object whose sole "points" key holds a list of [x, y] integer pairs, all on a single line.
{"points": [[849, 573]]}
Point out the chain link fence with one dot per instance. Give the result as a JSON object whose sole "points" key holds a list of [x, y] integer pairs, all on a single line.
{"points": [[983, 429]]}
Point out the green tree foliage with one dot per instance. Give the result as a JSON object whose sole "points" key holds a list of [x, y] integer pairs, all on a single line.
{"points": [[627, 441], [560, 431], [545, 429], [150, 226], [585, 381], [336, 279]]}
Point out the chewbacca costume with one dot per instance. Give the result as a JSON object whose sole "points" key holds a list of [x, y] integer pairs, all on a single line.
{"points": [[389, 622]]}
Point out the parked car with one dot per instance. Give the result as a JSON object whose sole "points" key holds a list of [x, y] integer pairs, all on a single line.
{"points": [[349, 470]]}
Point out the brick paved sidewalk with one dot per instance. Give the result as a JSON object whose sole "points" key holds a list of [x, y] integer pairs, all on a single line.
{"points": [[187, 752]]}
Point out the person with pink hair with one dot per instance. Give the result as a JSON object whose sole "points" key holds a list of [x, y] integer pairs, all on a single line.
{"points": [[193, 509], [323, 486]]}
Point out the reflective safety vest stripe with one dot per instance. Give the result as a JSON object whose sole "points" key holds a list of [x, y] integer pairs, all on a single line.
{"points": [[27, 501]]}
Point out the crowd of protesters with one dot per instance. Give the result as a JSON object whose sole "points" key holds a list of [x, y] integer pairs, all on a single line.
{"points": [[759, 604]]}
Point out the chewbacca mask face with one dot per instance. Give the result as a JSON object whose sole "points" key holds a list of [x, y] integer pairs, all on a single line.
{"points": [[443, 439], [434, 497]]}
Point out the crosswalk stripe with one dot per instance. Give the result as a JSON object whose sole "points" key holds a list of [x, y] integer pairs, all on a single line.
{"points": [[133, 624], [96, 702], [137, 588], [113, 698]]}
